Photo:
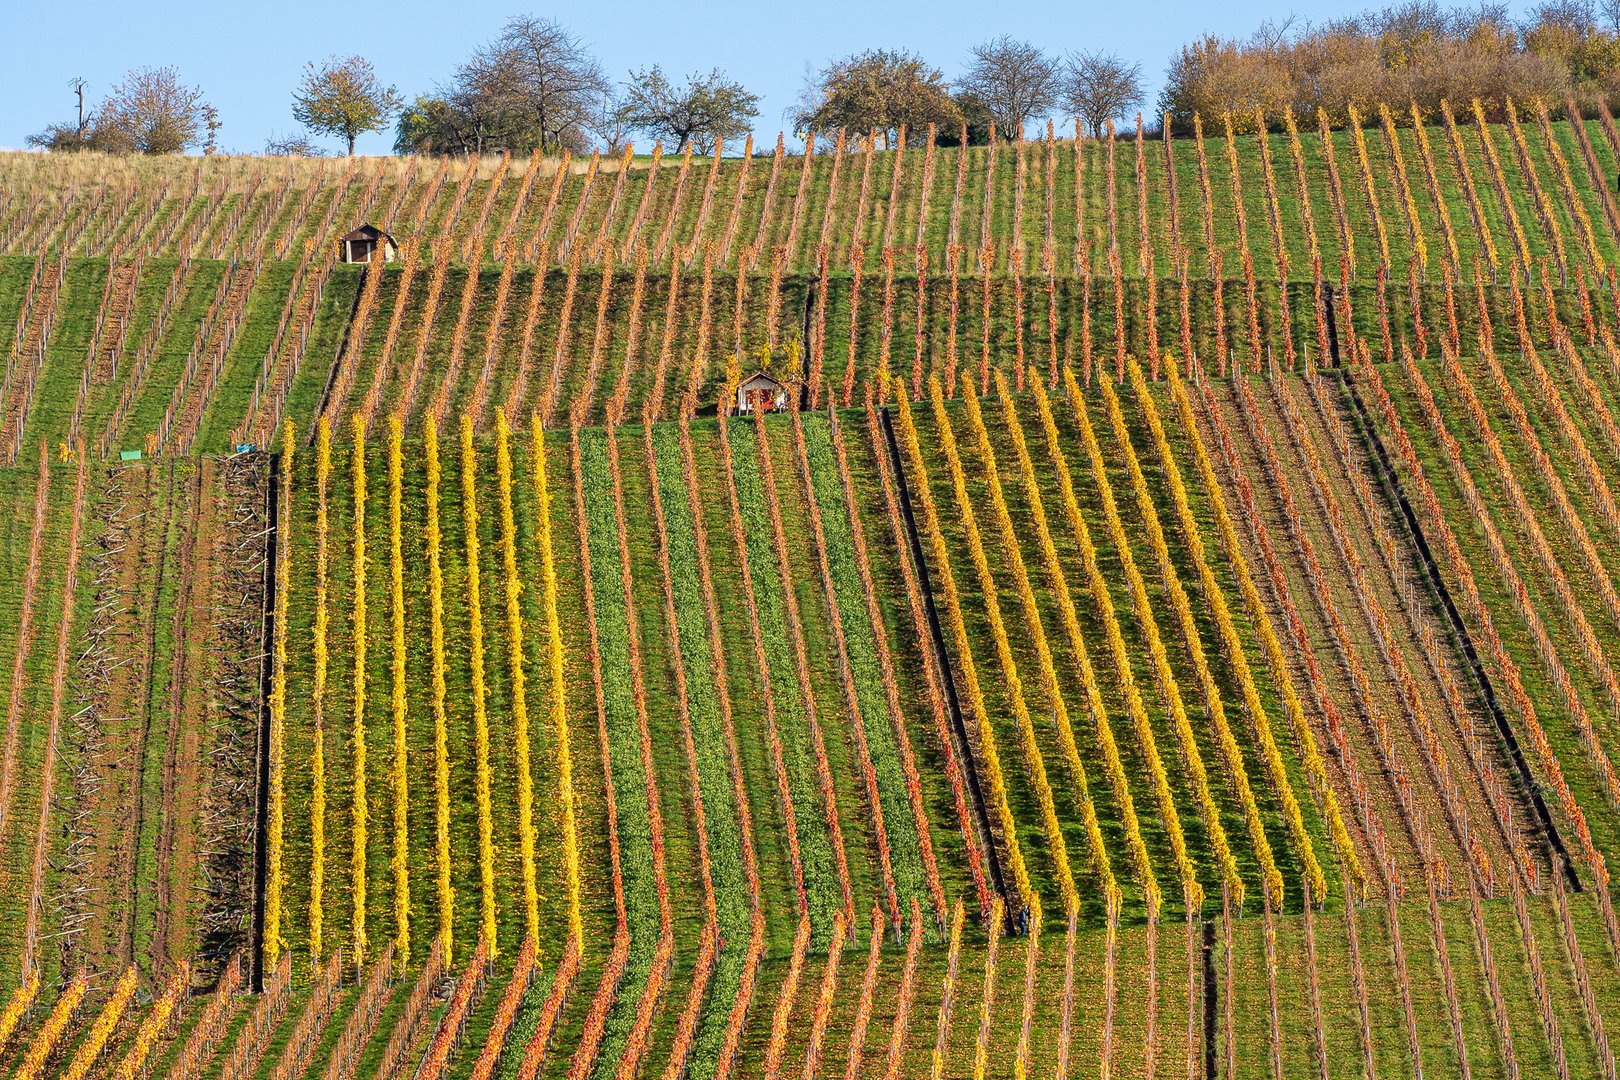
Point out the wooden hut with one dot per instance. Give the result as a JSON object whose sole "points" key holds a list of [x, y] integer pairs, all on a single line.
{"points": [[360, 246], [760, 391]]}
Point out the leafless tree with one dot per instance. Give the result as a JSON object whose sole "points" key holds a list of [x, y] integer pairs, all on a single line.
{"points": [[547, 71], [703, 109], [294, 145], [1100, 87], [1014, 80], [610, 125]]}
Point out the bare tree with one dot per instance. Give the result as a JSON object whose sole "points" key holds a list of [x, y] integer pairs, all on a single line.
{"points": [[1012, 79], [1101, 87], [705, 109], [609, 123], [294, 145], [547, 71]]}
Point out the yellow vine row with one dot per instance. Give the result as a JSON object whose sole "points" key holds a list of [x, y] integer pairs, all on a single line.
{"points": [[359, 810], [441, 746], [275, 874], [397, 670], [1058, 580], [520, 700], [1168, 689], [557, 684], [480, 693], [1043, 652], [317, 800]]}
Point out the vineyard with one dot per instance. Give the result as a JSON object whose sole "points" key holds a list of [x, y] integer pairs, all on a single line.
{"points": [[1165, 622]]}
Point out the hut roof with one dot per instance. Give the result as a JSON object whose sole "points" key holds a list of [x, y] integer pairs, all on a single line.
{"points": [[368, 232], [758, 380]]}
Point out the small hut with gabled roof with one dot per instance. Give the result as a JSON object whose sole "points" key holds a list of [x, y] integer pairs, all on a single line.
{"points": [[361, 245], [761, 391]]}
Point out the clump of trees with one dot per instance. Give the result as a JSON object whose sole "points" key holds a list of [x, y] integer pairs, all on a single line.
{"points": [[149, 111], [1416, 51], [536, 85], [1007, 84]]}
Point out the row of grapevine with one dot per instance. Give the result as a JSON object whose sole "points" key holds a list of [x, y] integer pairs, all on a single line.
{"points": [[360, 812], [811, 853], [764, 475], [869, 977], [50, 763], [1435, 758], [24, 630], [253, 1038], [412, 1017], [947, 990], [981, 1045], [1253, 706], [453, 1024], [1499, 181], [517, 988], [636, 1042], [1260, 618], [94, 1043], [211, 1026], [901, 848], [155, 1027], [1463, 573], [822, 457], [1462, 722], [296, 1053], [636, 824], [399, 776], [1190, 753], [721, 816], [776, 1048], [987, 748], [824, 999]]}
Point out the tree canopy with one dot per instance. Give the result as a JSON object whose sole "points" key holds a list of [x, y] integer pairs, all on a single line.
{"points": [[1100, 86], [702, 111], [880, 90], [344, 97], [536, 85], [1013, 81]]}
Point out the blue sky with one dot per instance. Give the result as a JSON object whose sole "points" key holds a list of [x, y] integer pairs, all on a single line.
{"points": [[248, 56]]}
